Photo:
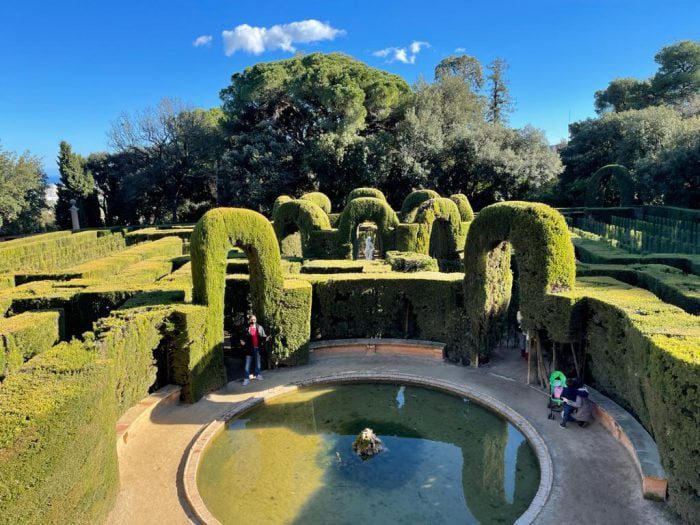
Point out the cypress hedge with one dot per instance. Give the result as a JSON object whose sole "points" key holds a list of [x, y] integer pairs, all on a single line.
{"points": [[415, 199], [545, 258], [25, 335], [365, 192], [363, 209], [446, 212], [465, 209], [305, 216], [411, 262], [319, 199], [622, 179], [279, 200]]}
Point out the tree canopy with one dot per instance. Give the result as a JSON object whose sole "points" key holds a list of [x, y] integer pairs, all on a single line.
{"points": [[22, 193]]}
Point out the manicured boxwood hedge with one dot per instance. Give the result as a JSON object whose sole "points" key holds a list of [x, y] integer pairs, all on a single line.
{"points": [[363, 209], [465, 209], [645, 354], [56, 253], [279, 200], [434, 213], [365, 192], [545, 258], [411, 262], [304, 216], [319, 199], [623, 182], [25, 335], [344, 266], [415, 199], [57, 439]]}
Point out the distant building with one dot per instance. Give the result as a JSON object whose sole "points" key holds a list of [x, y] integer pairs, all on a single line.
{"points": [[51, 195]]}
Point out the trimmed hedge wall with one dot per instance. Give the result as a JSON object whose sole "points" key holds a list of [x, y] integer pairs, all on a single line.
{"points": [[646, 355], [363, 209], [545, 258], [415, 199], [445, 211], [365, 192], [25, 335], [305, 216], [411, 262], [57, 439], [344, 266], [465, 209], [319, 199], [623, 182], [55, 253]]}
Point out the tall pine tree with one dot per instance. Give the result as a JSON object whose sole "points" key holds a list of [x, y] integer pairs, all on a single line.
{"points": [[500, 103], [76, 183]]}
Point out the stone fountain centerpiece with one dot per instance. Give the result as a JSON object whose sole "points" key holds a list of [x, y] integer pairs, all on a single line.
{"points": [[367, 444]]}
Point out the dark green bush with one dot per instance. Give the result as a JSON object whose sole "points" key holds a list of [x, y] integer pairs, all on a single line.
{"points": [[415, 199], [411, 262], [365, 209], [465, 209], [365, 192], [545, 258], [623, 182], [319, 199]]}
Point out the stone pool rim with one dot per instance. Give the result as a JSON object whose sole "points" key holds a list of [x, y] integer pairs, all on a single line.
{"points": [[210, 430]]}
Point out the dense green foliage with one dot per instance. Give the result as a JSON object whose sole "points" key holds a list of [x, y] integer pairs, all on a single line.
{"points": [[465, 208], [365, 192], [545, 259], [302, 216], [26, 335], [319, 199], [443, 214], [76, 184], [358, 211], [22, 188], [415, 199], [411, 262], [611, 185]]}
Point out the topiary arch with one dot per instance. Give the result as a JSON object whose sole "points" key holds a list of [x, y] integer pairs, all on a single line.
{"points": [[279, 200], [360, 210], [439, 213], [365, 192], [213, 236], [319, 199], [465, 209], [624, 186], [545, 257], [415, 199], [302, 215]]}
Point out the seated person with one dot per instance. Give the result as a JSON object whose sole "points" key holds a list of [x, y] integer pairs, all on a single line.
{"points": [[577, 406]]}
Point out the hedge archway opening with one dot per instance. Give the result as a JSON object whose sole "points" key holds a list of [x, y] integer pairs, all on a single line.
{"points": [[365, 209], [367, 229], [545, 257], [611, 185], [294, 221], [213, 236], [444, 212]]}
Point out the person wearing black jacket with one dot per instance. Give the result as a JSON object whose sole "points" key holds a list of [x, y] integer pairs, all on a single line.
{"points": [[253, 338]]}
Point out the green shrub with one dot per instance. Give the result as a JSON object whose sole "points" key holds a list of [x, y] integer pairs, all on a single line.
{"points": [[54, 253], [623, 182], [319, 199], [363, 209], [465, 209], [411, 262], [416, 198], [279, 200], [57, 439], [344, 266], [25, 335], [545, 258], [153, 234], [646, 355], [304, 216], [446, 213], [365, 192], [406, 237]]}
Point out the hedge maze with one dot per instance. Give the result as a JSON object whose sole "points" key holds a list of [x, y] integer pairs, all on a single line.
{"points": [[91, 322]]}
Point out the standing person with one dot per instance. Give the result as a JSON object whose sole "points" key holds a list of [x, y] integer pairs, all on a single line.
{"points": [[252, 341]]}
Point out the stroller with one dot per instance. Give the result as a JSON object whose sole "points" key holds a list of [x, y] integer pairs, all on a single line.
{"points": [[557, 383]]}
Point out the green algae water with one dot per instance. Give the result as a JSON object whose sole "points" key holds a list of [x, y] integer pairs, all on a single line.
{"points": [[446, 460]]}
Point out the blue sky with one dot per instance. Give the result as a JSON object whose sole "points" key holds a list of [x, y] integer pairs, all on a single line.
{"points": [[68, 68]]}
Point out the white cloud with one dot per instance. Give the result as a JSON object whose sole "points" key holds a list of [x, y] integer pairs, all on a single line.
{"points": [[402, 54], [256, 40], [203, 40], [461, 50]]}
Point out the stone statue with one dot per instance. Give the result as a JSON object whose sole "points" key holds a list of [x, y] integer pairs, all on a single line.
{"points": [[367, 444], [369, 248]]}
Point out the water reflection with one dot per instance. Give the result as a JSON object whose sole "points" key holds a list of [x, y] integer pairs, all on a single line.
{"points": [[446, 461]]}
